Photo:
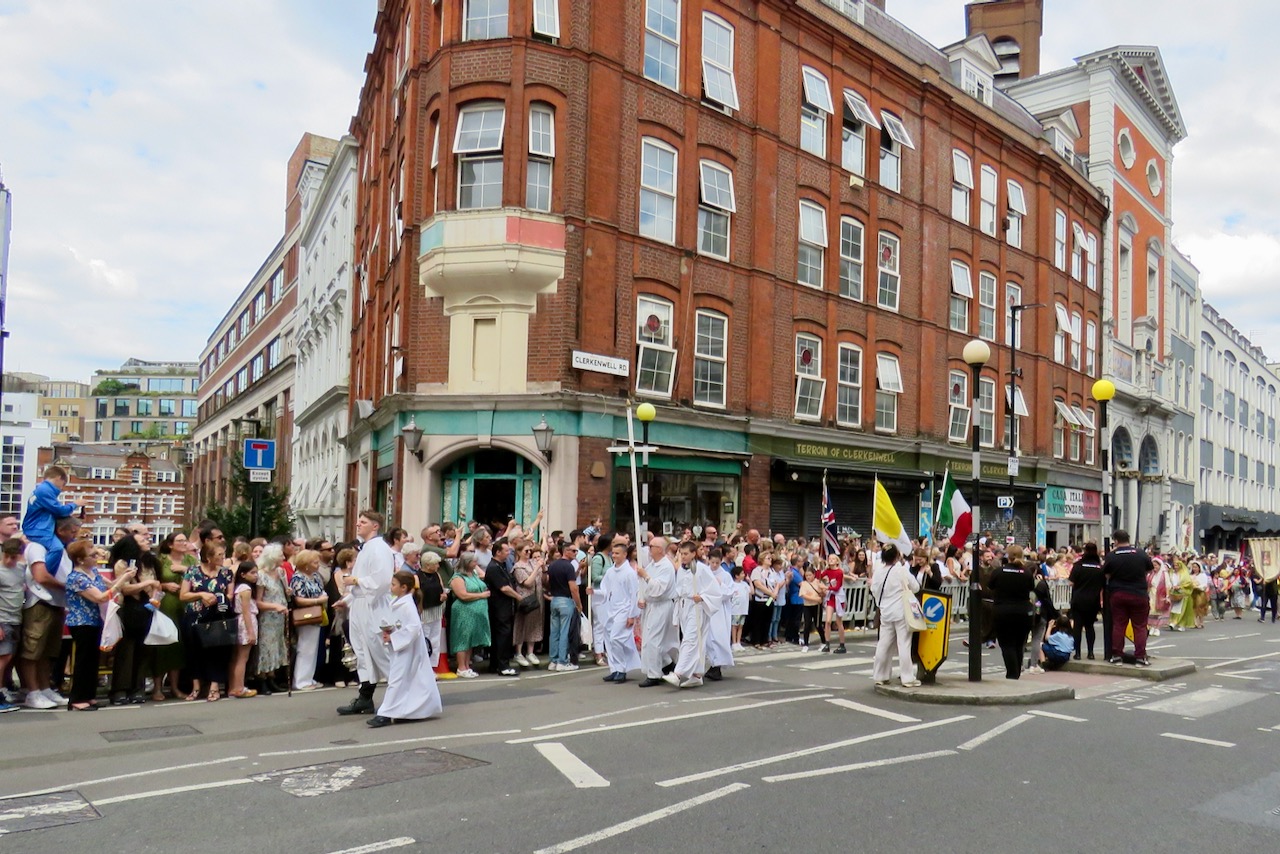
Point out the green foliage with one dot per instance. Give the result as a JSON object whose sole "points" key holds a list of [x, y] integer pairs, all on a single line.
{"points": [[110, 387], [235, 520]]}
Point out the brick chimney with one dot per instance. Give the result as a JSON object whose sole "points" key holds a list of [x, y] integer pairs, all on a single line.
{"points": [[1014, 28]]}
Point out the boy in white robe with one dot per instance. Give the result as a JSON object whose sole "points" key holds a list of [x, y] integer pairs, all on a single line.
{"points": [[720, 628], [620, 613], [412, 693], [659, 634], [698, 597]]}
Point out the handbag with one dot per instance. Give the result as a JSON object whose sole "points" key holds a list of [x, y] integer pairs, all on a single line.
{"points": [[112, 628], [528, 604], [164, 630], [218, 633], [911, 610], [312, 615]]}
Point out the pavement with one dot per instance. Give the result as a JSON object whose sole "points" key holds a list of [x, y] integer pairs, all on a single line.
{"points": [[789, 742]]}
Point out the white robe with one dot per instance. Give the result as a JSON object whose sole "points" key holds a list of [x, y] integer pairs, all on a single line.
{"points": [[412, 693], [370, 608], [432, 618], [694, 618], [719, 629], [618, 590], [659, 634]]}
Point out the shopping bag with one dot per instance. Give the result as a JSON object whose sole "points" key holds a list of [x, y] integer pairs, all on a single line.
{"points": [[585, 632], [911, 609], [163, 630], [112, 628]]}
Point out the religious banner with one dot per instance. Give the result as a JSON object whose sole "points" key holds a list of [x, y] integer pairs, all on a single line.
{"points": [[1266, 557]]}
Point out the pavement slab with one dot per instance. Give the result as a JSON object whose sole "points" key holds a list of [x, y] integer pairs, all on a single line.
{"points": [[1160, 670], [959, 691]]}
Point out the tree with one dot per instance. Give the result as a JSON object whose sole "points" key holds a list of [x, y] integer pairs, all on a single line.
{"points": [[235, 519]]}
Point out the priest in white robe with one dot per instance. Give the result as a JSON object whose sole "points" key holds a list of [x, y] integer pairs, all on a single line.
{"points": [[369, 589], [720, 628], [412, 693], [698, 597], [659, 633], [619, 592]]}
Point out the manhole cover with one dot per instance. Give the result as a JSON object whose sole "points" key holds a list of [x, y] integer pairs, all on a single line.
{"points": [[148, 733], [314, 780], [40, 811]]}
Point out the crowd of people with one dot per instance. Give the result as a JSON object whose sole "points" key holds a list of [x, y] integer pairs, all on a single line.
{"points": [[195, 618]]}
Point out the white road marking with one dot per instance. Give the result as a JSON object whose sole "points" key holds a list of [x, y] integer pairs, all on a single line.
{"points": [[1058, 717], [1247, 678], [1231, 661], [763, 679], [990, 734], [857, 766], [833, 663], [398, 842], [711, 698], [771, 657], [797, 754], [1160, 646], [165, 770], [594, 717], [331, 747], [313, 781], [1209, 741], [532, 738], [1199, 704], [1250, 670], [57, 808], [641, 821], [177, 790], [872, 710], [579, 773]]}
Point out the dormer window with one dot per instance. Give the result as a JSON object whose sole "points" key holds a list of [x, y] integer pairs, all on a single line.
{"points": [[976, 83]]}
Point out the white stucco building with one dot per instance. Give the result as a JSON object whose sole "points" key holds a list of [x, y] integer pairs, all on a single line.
{"points": [[323, 345], [22, 434]]}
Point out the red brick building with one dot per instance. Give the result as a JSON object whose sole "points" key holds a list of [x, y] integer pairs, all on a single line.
{"points": [[779, 222]]}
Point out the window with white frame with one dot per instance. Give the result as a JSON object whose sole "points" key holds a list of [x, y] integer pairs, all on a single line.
{"points": [[889, 281], [1062, 330], [815, 106], [1060, 239], [1082, 439], [657, 190], [809, 382], [987, 200], [1077, 251], [849, 386], [961, 186], [717, 205], [1012, 329], [484, 19], [435, 162], [1091, 262], [718, 83], [975, 83], [888, 387], [893, 138], [1015, 406], [662, 41], [478, 146], [542, 152], [1091, 349], [987, 306], [1064, 422], [1017, 211], [656, 355], [961, 294], [1076, 339], [546, 18], [851, 234], [1091, 436], [958, 406], [709, 358], [987, 412], [853, 133], [813, 244]]}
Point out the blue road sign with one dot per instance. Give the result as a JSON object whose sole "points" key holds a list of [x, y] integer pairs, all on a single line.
{"points": [[934, 609], [260, 454]]}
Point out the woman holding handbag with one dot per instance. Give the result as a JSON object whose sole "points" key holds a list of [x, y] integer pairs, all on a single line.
{"points": [[891, 586], [528, 626], [207, 622], [308, 616]]}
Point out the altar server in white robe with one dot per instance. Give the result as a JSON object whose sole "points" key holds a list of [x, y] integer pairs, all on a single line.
{"points": [[698, 597], [412, 693], [368, 600], [720, 626], [659, 633], [619, 592]]}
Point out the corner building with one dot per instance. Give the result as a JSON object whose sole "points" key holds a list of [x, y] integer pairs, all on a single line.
{"points": [[779, 222]]}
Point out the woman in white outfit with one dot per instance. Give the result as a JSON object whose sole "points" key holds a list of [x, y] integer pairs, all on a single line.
{"points": [[888, 589]]}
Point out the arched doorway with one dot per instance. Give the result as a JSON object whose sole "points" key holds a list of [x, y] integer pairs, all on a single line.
{"points": [[490, 486]]}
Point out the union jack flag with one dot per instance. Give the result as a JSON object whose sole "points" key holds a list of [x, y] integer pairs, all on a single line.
{"points": [[830, 543]]}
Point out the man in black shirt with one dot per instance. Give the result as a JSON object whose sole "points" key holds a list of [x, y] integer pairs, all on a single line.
{"points": [[1126, 570], [502, 611]]}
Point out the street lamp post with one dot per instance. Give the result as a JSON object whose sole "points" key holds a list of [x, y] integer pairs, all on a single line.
{"points": [[645, 412], [1015, 374], [1103, 391], [976, 353]]}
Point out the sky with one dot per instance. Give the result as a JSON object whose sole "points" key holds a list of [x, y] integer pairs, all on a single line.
{"points": [[145, 146]]}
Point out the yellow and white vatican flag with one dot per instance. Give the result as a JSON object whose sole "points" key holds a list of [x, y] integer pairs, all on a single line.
{"points": [[888, 526]]}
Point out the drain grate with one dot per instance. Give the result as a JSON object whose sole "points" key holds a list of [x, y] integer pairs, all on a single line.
{"points": [[314, 780], [148, 733], [40, 811]]}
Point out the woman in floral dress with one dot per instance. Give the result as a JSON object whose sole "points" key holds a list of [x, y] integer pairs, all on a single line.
{"points": [[273, 608]]}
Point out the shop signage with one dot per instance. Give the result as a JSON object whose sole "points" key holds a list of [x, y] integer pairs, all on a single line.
{"points": [[1083, 505], [845, 453], [964, 471], [601, 364]]}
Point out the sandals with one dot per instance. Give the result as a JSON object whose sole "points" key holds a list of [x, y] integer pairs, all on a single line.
{"points": [[243, 693], [214, 695], [194, 695]]}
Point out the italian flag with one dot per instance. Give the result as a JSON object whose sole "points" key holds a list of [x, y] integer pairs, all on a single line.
{"points": [[954, 512]]}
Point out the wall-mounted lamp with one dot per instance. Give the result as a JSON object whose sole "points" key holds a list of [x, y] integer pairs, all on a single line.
{"points": [[412, 435], [543, 433]]}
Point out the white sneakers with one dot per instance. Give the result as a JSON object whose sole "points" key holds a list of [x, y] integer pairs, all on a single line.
{"points": [[521, 660], [691, 682], [467, 674], [737, 647], [553, 667], [561, 668], [533, 660], [1035, 669], [911, 683], [672, 680], [39, 700]]}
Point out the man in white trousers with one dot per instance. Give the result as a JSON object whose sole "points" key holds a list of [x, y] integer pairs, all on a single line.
{"points": [[620, 589], [697, 599], [890, 586], [369, 603], [719, 629], [659, 634]]}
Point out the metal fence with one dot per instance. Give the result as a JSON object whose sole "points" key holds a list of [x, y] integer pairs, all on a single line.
{"points": [[860, 604]]}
